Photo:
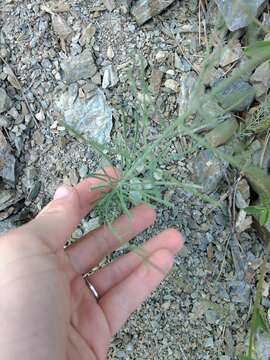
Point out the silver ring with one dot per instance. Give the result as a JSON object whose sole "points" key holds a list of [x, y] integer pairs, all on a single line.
{"points": [[91, 288]]}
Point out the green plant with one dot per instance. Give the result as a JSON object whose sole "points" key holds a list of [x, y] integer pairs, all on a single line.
{"points": [[142, 177], [257, 121], [261, 210], [141, 157], [258, 322]]}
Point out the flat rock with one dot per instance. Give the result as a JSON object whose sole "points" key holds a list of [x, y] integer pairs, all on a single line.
{"points": [[91, 224], [144, 10], [211, 317], [266, 158], [161, 56], [243, 222], [208, 170], [187, 85], [222, 132], [261, 81], [211, 77], [242, 194], [87, 34], [235, 17], [237, 96], [155, 80], [240, 292], [96, 79], [90, 117], [266, 20], [60, 27], [209, 115], [110, 53], [110, 78], [230, 54], [5, 102], [172, 85], [7, 162], [79, 67], [181, 63], [6, 199], [88, 90], [83, 171]]}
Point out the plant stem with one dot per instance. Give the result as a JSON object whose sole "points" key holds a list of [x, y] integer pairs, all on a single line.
{"points": [[177, 123], [257, 301]]}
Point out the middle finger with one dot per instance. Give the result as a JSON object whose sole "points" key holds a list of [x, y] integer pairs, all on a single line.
{"points": [[121, 268]]}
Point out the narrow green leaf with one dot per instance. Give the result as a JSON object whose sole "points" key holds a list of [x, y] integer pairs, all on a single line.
{"points": [[246, 357], [102, 177], [264, 199], [253, 210], [260, 321], [263, 217], [97, 187], [161, 201], [123, 204], [268, 214], [259, 48]]}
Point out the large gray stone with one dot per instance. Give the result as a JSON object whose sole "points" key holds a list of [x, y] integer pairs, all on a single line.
{"points": [[90, 117], [234, 13], [261, 81], [208, 170], [7, 162], [230, 54], [5, 102], [187, 86], [6, 198], [144, 10], [110, 78], [79, 67], [237, 96], [209, 115], [181, 63], [240, 292], [222, 132]]}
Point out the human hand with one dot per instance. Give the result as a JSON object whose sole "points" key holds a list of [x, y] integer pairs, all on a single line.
{"points": [[46, 310]]}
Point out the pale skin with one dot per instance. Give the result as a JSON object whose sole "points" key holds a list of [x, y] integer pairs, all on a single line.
{"points": [[46, 309]]}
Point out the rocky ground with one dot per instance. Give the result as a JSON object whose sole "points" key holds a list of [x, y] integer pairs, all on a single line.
{"points": [[69, 61]]}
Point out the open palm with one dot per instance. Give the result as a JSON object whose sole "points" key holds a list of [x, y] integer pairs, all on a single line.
{"points": [[46, 309]]}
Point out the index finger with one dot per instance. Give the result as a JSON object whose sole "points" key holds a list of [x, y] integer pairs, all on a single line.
{"points": [[51, 223]]}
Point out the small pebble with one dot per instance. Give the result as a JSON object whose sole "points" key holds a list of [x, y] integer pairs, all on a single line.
{"points": [[40, 116], [110, 53], [83, 171], [161, 56], [172, 85]]}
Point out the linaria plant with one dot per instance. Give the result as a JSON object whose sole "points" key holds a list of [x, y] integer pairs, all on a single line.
{"points": [[141, 154]]}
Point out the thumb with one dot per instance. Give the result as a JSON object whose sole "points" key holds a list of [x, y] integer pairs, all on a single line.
{"points": [[57, 221]]}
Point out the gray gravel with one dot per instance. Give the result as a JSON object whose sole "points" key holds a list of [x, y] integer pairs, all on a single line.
{"points": [[202, 309]]}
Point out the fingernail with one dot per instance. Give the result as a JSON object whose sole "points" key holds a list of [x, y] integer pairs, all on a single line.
{"points": [[62, 192]]}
